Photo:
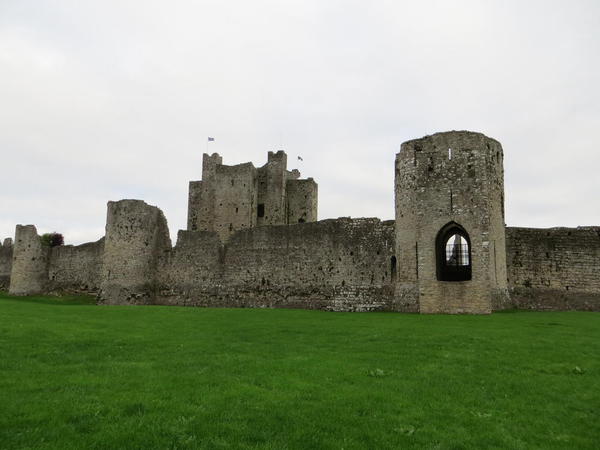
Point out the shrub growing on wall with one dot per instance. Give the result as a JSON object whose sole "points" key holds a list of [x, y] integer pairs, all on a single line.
{"points": [[52, 239]]}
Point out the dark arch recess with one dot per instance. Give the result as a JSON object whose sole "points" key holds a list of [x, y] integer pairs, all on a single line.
{"points": [[445, 270], [393, 268]]}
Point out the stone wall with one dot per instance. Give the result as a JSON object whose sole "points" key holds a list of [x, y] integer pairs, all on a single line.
{"points": [[271, 190], [201, 206], [76, 268], [29, 273], [554, 268], [6, 257], [235, 194], [194, 204], [136, 237], [192, 271], [302, 198], [343, 264]]}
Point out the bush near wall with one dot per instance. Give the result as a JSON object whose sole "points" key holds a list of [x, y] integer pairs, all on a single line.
{"points": [[53, 239]]}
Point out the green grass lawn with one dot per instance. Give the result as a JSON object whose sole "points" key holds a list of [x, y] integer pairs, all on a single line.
{"points": [[76, 375]]}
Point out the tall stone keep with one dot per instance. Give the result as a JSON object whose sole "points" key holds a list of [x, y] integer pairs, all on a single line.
{"points": [[238, 197], [29, 273], [450, 231], [137, 235]]}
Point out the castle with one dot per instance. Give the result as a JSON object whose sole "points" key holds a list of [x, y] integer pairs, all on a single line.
{"points": [[253, 240]]}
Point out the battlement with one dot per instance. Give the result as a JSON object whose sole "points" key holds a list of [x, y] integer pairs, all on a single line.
{"points": [[440, 138], [277, 157], [211, 160], [209, 164]]}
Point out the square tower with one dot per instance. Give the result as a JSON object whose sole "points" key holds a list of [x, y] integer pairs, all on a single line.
{"points": [[232, 198]]}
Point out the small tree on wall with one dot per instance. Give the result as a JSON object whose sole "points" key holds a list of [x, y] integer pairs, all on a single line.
{"points": [[53, 239]]}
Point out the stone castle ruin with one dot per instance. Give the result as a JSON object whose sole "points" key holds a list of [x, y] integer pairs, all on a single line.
{"points": [[231, 198], [253, 240]]}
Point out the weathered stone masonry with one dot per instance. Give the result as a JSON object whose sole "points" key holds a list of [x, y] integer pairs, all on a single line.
{"points": [[37, 269], [341, 264], [253, 241], [6, 256], [136, 236], [232, 198], [554, 268], [76, 268], [450, 179], [29, 274]]}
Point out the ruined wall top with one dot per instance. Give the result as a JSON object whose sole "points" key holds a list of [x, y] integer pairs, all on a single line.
{"points": [[29, 274], [209, 164], [280, 156], [462, 136]]}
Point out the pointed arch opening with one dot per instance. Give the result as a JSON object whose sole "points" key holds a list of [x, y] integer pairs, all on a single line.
{"points": [[453, 253]]}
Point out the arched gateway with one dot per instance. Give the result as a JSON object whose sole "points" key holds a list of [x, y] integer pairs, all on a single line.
{"points": [[453, 253]]}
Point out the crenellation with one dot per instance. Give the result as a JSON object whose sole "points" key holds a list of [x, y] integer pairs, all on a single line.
{"points": [[209, 164], [279, 157]]}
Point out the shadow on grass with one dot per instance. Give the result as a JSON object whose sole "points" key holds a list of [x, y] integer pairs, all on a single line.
{"points": [[51, 299]]}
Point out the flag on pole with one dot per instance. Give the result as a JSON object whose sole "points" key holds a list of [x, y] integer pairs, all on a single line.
{"points": [[300, 158], [211, 139]]}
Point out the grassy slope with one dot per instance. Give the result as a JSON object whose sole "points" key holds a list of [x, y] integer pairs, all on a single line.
{"points": [[74, 375]]}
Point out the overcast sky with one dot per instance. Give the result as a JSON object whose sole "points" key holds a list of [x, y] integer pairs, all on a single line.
{"points": [[104, 100]]}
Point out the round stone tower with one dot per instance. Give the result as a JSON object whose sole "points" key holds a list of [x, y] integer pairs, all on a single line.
{"points": [[137, 235], [450, 244], [29, 273]]}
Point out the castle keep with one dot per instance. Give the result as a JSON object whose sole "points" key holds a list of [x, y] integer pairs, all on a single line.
{"points": [[232, 198], [253, 240]]}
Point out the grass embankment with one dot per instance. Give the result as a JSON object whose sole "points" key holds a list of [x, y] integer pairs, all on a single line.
{"points": [[76, 375]]}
